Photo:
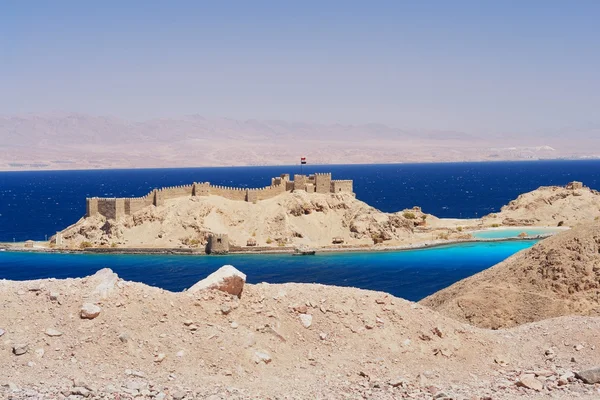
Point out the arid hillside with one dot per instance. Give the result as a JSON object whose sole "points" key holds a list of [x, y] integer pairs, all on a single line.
{"points": [[297, 218], [103, 338], [550, 206], [558, 276]]}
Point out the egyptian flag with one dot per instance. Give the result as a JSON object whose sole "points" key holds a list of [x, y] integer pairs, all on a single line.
{"points": [[302, 160]]}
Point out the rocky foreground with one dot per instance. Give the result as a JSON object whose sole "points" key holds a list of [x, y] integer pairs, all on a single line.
{"points": [[104, 338], [558, 276]]}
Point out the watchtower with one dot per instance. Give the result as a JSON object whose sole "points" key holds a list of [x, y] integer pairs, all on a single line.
{"points": [[218, 243], [323, 183]]}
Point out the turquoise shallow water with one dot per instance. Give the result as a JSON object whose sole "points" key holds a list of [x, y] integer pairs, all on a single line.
{"points": [[513, 233], [411, 274]]}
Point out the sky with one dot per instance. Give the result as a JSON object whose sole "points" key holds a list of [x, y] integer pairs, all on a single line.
{"points": [[472, 66]]}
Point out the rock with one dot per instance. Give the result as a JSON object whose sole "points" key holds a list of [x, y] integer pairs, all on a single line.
{"points": [[20, 349], [322, 336], [178, 395], [39, 352], [188, 322], [2, 332], [136, 385], [53, 332], [263, 357], [590, 376], [234, 325], [397, 382], [578, 347], [180, 353], [225, 309], [301, 309], [226, 279], [160, 357], [90, 311], [124, 337], [105, 281], [80, 391], [306, 320], [528, 381], [53, 296], [13, 387]]}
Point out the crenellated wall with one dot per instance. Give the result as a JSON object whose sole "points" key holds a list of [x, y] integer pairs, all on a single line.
{"points": [[115, 208]]}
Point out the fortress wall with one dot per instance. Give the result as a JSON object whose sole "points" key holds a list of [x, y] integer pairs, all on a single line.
{"points": [[175, 192], [341, 186], [107, 208], [323, 183], [269, 192], [230, 193], [251, 196]]}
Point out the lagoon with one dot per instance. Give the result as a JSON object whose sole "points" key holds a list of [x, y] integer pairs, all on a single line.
{"points": [[410, 274]]}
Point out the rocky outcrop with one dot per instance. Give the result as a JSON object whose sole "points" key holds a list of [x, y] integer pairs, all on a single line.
{"points": [[550, 206], [226, 279], [558, 276]]}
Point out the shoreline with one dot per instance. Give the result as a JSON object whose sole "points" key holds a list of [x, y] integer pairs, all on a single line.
{"points": [[290, 251], [408, 162]]}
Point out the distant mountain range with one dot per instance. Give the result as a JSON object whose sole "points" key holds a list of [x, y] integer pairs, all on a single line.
{"points": [[78, 141]]}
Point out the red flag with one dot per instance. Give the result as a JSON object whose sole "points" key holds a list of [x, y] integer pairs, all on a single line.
{"points": [[302, 160]]}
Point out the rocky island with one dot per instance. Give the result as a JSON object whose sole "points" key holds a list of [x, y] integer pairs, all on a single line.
{"points": [[314, 211]]}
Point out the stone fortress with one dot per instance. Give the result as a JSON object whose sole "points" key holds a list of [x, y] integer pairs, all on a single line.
{"points": [[115, 208]]}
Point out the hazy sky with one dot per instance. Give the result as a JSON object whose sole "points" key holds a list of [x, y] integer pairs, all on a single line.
{"points": [[525, 66]]}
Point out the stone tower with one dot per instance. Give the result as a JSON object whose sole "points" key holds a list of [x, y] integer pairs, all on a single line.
{"points": [[218, 243]]}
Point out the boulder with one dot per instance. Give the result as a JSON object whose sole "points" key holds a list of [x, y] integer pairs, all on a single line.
{"points": [[226, 279], [89, 311], [105, 281], [590, 376]]}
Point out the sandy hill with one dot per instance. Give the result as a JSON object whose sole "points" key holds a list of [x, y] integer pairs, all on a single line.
{"points": [[103, 338], [550, 206], [295, 218], [558, 276]]}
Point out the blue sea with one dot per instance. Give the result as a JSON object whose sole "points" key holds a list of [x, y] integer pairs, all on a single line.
{"points": [[410, 274], [34, 205]]}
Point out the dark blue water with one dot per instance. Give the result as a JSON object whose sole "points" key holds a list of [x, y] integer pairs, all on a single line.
{"points": [[35, 204], [410, 274]]}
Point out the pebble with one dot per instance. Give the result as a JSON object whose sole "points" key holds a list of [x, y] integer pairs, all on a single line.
{"points": [[90, 311], [225, 309], [2, 332], [20, 349], [178, 395], [53, 296], [180, 353], [397, 382], [260, 356], [578, 347], [124, 337], [306, 320], [322, 336], [160, 357], [53, 332], [39, 352], [234, 325]]}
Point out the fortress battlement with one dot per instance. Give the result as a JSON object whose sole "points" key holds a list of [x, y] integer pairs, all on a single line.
{"points": [[118, 207]]}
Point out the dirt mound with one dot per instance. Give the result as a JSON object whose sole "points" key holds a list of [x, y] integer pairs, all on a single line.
{"points": [[550, 206], [558, 276], [101, 337]]}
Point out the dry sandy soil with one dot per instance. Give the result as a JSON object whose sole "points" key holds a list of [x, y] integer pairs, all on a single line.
{"points": [[558, 276], [299, 218], [290, 341]]}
